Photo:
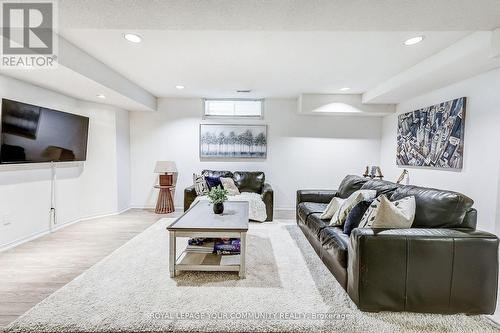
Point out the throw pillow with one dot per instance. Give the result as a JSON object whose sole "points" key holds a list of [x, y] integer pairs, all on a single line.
{"points": [[213, 182], [229, 185], [355, 215], [332, 208], [387, 214], [360, 195], [200, 184]]}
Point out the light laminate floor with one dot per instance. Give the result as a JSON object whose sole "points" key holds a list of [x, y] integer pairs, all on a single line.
{"points": [[32, 271]]}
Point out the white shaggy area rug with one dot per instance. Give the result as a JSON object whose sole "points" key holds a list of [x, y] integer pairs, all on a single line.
{"points": [[287, 289]]}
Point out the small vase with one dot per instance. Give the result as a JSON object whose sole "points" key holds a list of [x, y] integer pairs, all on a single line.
{"points": [[219, 208]]}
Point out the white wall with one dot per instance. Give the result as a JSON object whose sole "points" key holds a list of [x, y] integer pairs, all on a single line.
{"points": [[82, 189], [303, 151], [479, 178], [123, 159]]}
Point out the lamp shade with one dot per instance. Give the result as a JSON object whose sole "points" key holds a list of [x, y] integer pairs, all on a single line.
{"points": [[165, 167]]}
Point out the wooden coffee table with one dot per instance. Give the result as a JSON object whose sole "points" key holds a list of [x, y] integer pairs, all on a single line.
{"points": [[199, 221]]}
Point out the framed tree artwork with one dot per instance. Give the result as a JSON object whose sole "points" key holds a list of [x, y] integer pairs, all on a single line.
{"points": [[233, 141]]}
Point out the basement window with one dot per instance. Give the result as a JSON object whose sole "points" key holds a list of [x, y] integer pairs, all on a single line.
{"points": [[234, 108]]}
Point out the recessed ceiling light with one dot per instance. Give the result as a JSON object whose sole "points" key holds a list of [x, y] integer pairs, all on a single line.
{"points": [[180, 87], [101, 96], [345, 89], [414, 40], [133, 38]]}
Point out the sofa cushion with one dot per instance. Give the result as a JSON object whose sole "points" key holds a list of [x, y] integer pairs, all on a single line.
{"points": [[315, 224], [355, 216], [381, 186], [229, 185], [248, 181], [213, 182], [335, 242], [332, 208], [383, 213], [349, 185], [470, 219], [304, 209], [200, 184], [215, 173], [436, 208], [340, 216]]}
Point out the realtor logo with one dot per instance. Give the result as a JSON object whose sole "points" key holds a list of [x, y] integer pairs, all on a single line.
{"points": [[28, 34]]}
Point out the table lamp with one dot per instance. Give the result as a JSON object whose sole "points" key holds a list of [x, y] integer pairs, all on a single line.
{"points": [[166, 169]]}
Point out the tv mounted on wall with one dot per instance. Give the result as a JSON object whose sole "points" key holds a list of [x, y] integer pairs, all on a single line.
{"points": [[33, 134]]}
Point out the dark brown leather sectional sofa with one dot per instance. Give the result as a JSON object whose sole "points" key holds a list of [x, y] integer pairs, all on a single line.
{"points": [[441, 265], [246, 181]]}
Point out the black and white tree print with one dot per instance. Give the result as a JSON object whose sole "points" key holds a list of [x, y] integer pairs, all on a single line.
{"points": [[233, 141]]}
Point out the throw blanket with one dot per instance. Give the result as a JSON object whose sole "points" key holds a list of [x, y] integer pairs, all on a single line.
{"points": [[256, 207]]}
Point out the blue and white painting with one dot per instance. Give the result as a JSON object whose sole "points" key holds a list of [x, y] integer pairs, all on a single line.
{"points": [[233, 141], [432, 136]]}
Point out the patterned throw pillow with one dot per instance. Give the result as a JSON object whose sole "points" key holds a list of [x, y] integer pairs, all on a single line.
{"points": [[200, 184], [355, 216], [229, 185], [360, 195], [387, 214], [332, 208]]}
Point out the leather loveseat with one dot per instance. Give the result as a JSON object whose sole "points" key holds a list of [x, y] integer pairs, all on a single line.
{"points": [[440, 265], [246, 181]]}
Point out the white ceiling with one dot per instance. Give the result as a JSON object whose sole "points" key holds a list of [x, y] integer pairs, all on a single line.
{"points": [[277, 48], [272, 64], [70, 83], [276, 15]]}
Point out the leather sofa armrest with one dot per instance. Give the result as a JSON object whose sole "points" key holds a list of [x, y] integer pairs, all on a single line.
{"points": [[423, 270], [189, 196], [319, 196], [268, 198]]}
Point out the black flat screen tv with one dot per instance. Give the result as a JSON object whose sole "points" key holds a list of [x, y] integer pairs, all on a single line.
{"points": [[33, 134]]}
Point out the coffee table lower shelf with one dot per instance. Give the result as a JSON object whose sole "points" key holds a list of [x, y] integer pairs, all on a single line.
{"points": [[194, 261]]}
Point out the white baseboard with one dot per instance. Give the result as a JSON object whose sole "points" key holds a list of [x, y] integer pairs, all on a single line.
{"points": [[284, 213], [143, 207], [177, 208], [180, 208], [55, 228], [285, 209]]}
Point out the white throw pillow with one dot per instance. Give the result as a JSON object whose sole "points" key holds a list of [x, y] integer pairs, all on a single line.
{"points": [[229, 185], [200, 184], [387, 214], [332, 208], [340, 216]]}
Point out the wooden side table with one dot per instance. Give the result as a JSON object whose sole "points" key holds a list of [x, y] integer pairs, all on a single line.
{"points": [[165, 203]]}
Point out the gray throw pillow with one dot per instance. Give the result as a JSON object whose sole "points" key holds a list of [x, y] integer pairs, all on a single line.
{"points": [[229, 185]]}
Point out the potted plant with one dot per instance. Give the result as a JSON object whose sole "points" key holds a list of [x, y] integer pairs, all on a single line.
{"points": [[217, 196]]}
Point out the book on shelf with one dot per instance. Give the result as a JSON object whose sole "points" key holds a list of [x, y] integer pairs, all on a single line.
{"points": [[226, 246], [229, 246], [230, 260], [207, 247], [199, 241], [227, 252]]}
